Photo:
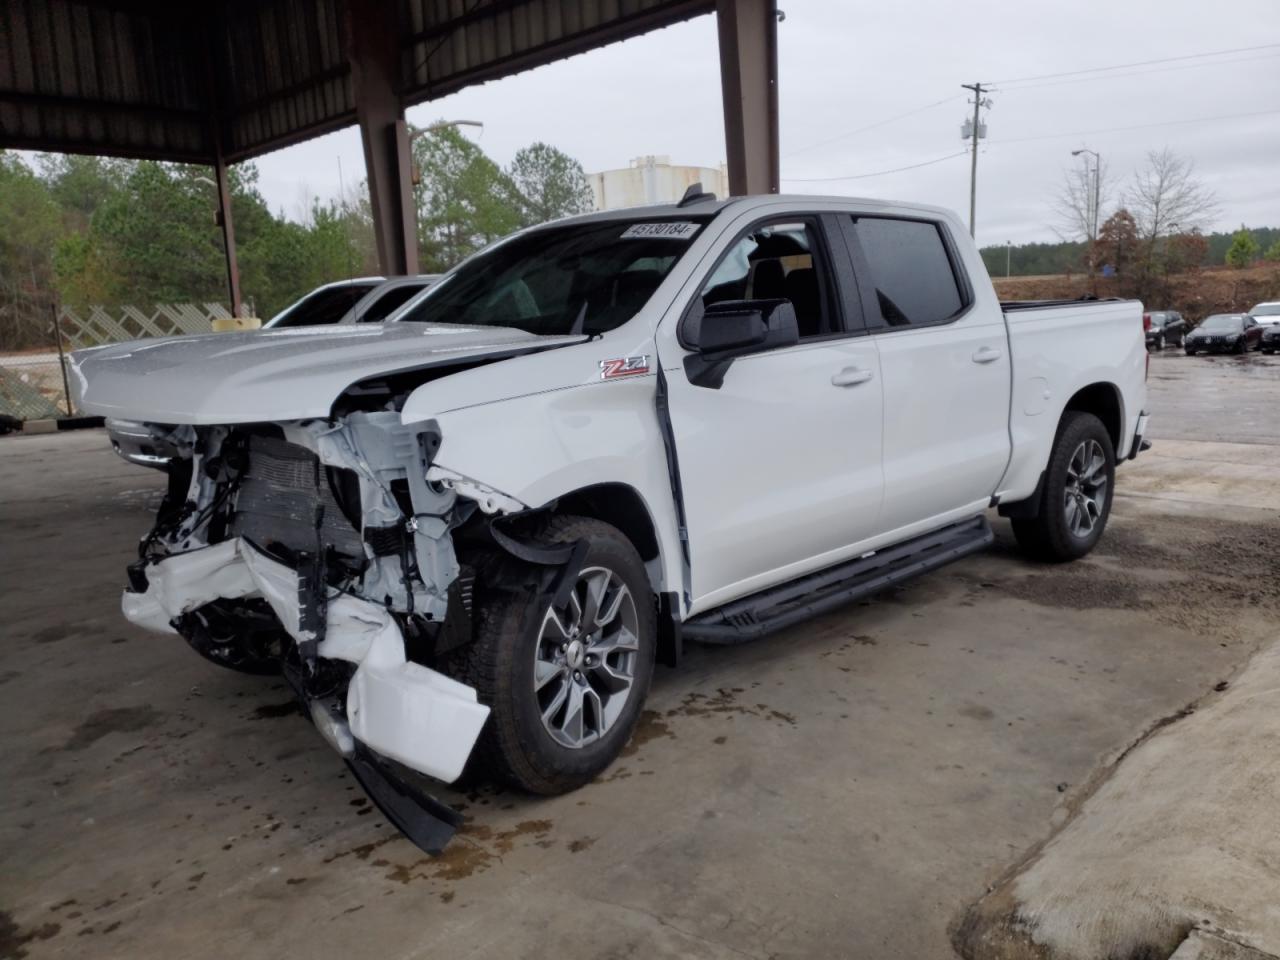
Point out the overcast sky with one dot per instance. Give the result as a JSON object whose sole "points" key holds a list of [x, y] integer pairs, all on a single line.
{"points": [[845, 66]]}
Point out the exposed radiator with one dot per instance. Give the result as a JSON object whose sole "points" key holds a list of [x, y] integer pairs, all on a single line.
{"points": [[280, 493]]}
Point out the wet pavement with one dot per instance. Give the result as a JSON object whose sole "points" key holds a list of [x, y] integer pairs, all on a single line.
{"points": [[1227, 398], [847, 788]]}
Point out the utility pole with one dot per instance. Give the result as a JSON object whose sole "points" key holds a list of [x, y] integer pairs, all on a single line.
{"points": [[1008, 257], [976, 130]]}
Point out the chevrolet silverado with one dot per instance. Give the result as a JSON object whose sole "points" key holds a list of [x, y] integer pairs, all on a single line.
{"points": [[466, 536]]}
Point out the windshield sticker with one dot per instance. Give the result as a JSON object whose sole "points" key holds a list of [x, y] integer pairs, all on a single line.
{"points": [[660, 231]]}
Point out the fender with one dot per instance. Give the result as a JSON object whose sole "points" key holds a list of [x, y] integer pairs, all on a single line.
{"points": [[529, 451]]}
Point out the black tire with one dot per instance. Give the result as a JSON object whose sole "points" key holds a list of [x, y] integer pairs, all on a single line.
{"points": [[515, 746], [1049, 536], [1243, 347], [1160, 341], [1191, 351]]}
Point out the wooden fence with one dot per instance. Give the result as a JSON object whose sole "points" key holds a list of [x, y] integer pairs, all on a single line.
{"points": [[111, 325]]}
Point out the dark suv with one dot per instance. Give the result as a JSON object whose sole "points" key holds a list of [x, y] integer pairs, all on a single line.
{"points": [[1165, 326]]}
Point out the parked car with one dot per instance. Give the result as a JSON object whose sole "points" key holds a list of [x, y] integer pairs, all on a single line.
{"points": [[1224, 333], [366, 300], [469, 534], [1164, 326], [1271, 338], [1267, 314]]}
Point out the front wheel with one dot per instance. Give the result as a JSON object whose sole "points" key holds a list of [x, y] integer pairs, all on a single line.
{"points": [[1191, 351], [1160, 342], [564, 686], [1075, 500]]}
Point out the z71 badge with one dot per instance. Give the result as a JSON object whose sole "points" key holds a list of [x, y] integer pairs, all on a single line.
{"points": [[623, 367]]}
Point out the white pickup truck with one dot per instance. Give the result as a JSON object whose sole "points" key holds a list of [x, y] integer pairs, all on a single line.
{"points": [[468, 534]]}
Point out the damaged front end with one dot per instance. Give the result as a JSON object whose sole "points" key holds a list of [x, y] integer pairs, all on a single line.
{"points": [[320, 548]]}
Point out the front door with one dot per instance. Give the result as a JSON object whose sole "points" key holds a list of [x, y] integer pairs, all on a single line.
{"points": [[779, 466]]}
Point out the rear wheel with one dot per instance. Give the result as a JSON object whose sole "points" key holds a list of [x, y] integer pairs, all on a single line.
{"points": [[1159, 341], [1076, 498], [564, 687]]}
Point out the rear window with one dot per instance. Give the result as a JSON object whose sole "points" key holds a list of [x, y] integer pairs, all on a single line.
{"points": [[910, 271]]}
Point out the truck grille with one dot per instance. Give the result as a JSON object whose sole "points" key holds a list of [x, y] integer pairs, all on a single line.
{"points": [[284, 491]]}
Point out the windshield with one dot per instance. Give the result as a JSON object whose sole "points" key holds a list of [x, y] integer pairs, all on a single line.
{"points": [[585, 278], [1266, 310], [326, 305], [1222, 322]]}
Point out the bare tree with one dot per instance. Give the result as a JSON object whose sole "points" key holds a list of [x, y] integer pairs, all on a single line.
{"points": [[1073, 204], [1166, 194], [1165, 197]]}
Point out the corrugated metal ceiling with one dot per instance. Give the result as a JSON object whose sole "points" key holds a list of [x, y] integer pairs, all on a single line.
{"points": [[151, 79]]}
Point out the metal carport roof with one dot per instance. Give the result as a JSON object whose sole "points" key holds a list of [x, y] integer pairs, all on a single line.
{"points": [[149, 79]]}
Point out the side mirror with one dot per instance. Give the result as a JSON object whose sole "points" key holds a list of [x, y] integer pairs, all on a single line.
{"points": [[734, 328]]}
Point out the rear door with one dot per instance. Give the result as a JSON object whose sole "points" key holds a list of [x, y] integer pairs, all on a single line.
{"points": [[945, 369], [779, 466]]}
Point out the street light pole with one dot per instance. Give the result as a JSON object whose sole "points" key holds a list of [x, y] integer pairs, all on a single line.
{"points": [[1095, 200], [1008, 257], [419, 131]]}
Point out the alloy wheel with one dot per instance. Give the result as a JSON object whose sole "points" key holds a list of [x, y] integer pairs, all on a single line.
{"points": [[586, 658], [1086, 490]]}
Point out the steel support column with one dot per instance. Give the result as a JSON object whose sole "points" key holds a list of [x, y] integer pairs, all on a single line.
{"points": [[749, 82], [374, 53], [227, 223]]}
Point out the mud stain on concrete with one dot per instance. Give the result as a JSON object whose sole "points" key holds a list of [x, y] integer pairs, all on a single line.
{"points": [[114, 720], [650, 726], [14, 939], [475, 849]]}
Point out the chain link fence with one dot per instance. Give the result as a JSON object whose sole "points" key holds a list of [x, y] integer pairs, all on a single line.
{"points": [[32, 386]]}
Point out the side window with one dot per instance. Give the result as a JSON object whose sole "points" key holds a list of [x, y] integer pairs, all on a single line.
{"points": [[909, 270], [388, 302], [778, 261]]}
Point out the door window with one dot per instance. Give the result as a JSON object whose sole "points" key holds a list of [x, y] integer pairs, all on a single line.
{"points": [[910, 271], [778, 261]]}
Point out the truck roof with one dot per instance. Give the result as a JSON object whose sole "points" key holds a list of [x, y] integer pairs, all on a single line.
{"points": [[714, 206]]}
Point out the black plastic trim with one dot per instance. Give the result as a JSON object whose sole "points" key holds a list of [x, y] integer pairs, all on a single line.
{"points": [[1027, 509], [817, 593]]}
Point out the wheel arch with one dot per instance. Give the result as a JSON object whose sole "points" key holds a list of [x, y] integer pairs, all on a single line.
{"points": [[1104, 400], [619, 505]]}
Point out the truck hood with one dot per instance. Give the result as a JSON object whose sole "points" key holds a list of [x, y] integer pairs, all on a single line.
{"points": [[271, 375]]}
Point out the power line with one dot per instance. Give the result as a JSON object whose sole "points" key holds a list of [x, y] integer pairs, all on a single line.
{"points": [[1049, 136], [1143, 73], [878, 173], [873, 126], [1141, 63], [1139, 126]]}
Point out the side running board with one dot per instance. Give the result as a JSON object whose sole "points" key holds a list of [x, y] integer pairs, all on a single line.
{"points": [[790, 603]]}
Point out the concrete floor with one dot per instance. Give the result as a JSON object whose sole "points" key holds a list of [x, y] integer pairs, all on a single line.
{"points": [[848, 788]]}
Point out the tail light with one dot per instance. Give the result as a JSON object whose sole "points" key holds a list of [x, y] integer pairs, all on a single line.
{"points": [[1146, 321]]}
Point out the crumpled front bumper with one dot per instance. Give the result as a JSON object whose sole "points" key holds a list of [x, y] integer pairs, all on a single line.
{"points": [[394, 708]]}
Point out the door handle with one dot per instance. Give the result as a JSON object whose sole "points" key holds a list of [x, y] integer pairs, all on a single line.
{"points": [[851, 377], [986, 355]]}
